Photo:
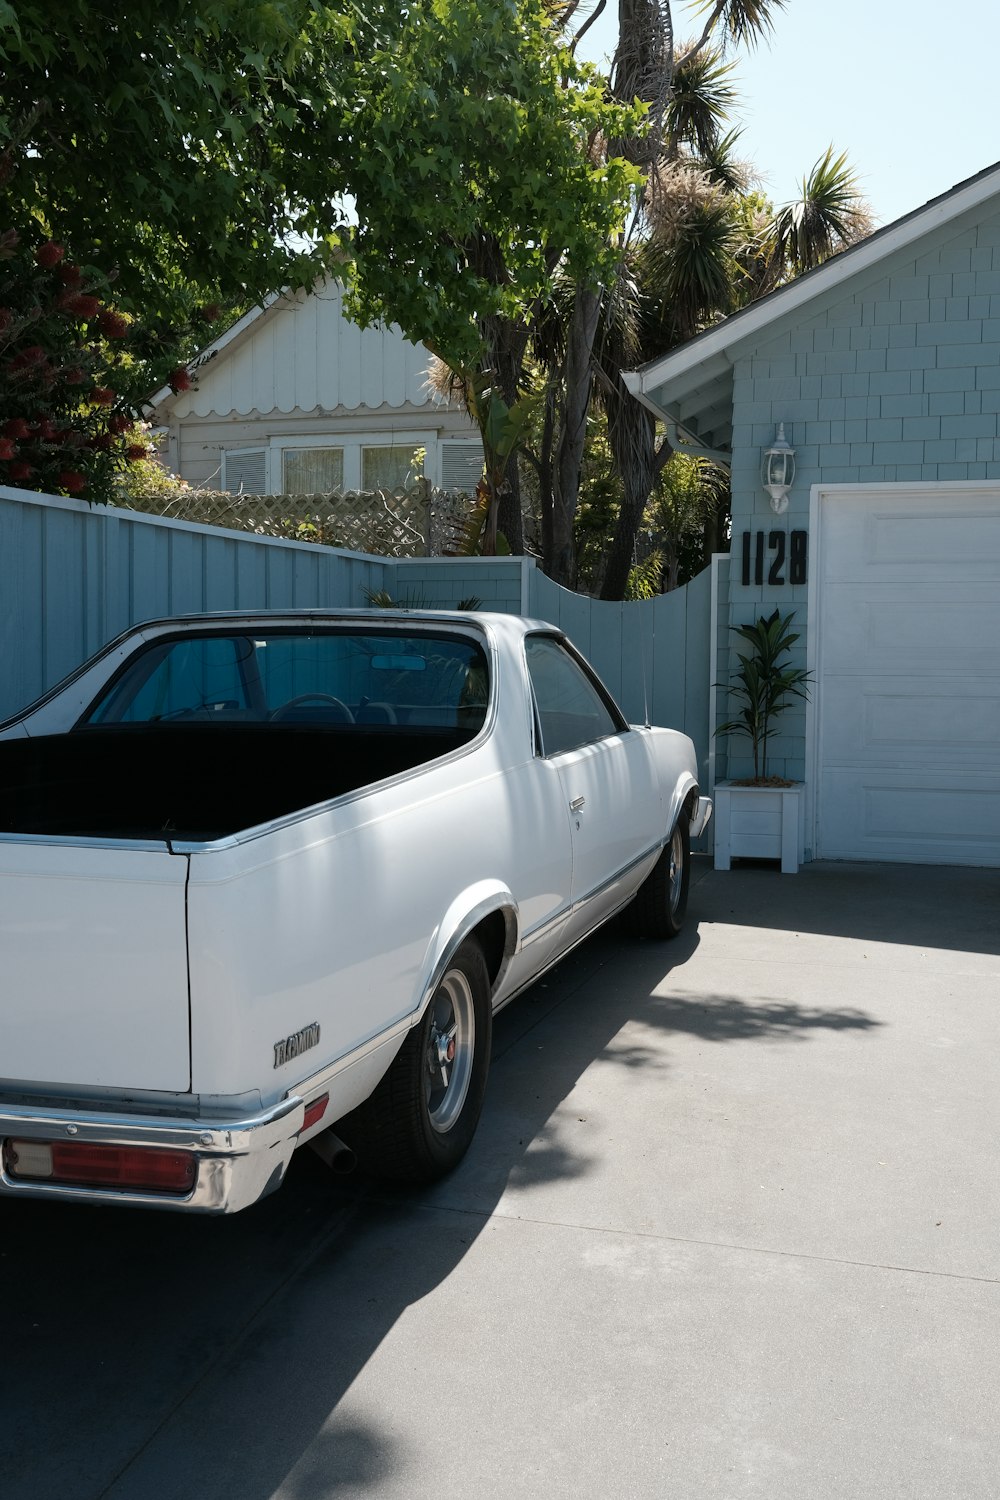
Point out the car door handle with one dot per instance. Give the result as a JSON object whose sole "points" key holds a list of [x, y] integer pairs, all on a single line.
{"points": [[577, 803]]}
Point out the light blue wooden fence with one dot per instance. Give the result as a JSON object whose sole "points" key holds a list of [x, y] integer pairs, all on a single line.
{"points": [[73, 577]]}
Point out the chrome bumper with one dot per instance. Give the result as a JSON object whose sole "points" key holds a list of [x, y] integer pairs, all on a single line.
{"points": [[238, 1161], [701, 815]]}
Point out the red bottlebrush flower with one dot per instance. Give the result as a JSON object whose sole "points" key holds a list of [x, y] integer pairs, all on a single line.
{"points": [[112, 324], [33, 355], [72, 480], [101, 396], [179, 380], [73, 376], [7, 448], [16, 427], [134, 452], [119, 422], [49, 254], [102, 442], [44, 430], [210, 312], [20, 471], [69, 274], [80, 304]]}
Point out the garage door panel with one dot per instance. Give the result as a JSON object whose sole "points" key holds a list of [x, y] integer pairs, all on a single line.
{"points": [[910, 817], [919, 537], [907, 689], [902, 721], [906, 629]]}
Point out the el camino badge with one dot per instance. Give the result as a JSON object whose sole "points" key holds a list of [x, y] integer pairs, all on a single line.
{"points": [[300, 1041]]}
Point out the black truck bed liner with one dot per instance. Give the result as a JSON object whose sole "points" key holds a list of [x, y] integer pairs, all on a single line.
{"points": [[197, 782]]}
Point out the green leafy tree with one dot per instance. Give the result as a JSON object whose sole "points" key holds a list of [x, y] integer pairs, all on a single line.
{"points": [[173, 142], [486, 178], [208, 152]]}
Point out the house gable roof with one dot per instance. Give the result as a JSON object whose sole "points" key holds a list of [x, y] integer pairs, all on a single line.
{"points": [[298, 351], [691, 388]]}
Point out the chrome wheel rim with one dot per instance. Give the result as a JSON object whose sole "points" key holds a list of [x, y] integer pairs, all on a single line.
{"points": [[451, 1038], [676, 882]]}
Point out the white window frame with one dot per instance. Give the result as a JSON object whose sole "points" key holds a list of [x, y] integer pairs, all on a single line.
{"points": [[352, 443]]}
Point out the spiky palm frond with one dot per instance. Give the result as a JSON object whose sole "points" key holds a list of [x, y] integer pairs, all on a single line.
{"points": [[725, 169], [829, 215], [746, 22], [701, 98], [619, 343], [689, 262], [645, 576], [688, 489]]}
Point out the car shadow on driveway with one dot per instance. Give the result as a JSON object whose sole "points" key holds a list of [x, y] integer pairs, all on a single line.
{"points": [[152, 1355]]}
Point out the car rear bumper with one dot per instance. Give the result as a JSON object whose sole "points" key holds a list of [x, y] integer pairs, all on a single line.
{"points": [[235, 1162]]}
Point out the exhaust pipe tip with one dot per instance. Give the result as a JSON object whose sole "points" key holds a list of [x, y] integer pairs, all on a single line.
{"points": [[337, 1154]]}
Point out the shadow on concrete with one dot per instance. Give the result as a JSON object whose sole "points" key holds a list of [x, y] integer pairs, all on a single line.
{"points": [[153, 1356], [950, 907]]}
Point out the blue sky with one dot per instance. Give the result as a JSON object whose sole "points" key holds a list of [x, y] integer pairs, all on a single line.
{"points": [[909, 91]]}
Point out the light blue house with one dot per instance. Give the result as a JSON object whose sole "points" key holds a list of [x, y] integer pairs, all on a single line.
{"points": [[884, 368]]}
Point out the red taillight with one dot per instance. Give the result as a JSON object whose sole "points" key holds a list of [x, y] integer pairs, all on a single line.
{"points": [[315, 1111], [79, 1164]]}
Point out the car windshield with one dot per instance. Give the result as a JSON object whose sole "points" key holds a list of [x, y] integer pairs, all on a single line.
{"points": [[335, 676]]}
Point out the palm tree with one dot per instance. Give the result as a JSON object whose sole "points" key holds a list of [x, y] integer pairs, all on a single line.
{"points": [[828, 215], [712, 245]]}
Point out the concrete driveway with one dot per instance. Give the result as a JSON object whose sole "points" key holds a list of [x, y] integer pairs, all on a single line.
{"points": [[729, 1229]]}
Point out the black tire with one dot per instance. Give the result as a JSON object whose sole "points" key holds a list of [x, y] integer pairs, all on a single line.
{"points": [[419, 1122], [660, 903]]}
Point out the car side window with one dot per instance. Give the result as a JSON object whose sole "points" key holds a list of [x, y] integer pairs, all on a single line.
{"points": [[571, 709]]}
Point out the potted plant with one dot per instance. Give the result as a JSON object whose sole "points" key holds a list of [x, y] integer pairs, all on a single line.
{"points": [[762, 816]]}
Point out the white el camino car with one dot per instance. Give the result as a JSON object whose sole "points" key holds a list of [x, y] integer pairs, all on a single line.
{"points": [[266, 878]]}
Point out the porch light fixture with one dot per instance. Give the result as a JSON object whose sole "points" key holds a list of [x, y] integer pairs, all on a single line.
{"points": [[778, 470]]}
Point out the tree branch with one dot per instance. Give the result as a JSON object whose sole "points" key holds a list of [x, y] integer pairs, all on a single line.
{"points": [[717, 12], [587, 23]]}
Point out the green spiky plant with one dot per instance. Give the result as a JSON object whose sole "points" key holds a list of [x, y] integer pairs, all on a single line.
{"points": [[763, 683]]}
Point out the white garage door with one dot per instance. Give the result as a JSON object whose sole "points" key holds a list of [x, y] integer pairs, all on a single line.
{"points": [[908, 676]]}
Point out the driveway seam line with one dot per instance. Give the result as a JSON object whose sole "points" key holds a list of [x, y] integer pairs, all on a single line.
{"points": [[681, 1239]]}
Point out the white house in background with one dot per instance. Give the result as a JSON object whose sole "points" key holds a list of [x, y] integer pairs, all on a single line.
{"points": [[296, 399]]}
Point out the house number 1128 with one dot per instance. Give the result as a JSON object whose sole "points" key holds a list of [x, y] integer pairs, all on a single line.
{"points": [[767, 553]]}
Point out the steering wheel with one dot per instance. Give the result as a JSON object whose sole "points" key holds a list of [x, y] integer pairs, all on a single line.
{"points": [[325, 699]]}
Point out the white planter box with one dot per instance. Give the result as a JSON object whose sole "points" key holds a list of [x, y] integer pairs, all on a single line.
{"points": [[759, 822]]}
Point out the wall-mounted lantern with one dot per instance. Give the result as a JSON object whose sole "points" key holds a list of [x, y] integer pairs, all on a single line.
{"points": [[778, 470]]}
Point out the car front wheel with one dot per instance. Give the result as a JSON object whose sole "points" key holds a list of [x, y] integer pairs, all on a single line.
{"points": [[660, 903]]}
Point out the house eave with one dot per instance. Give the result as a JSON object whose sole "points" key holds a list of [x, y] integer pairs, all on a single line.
{"points": [[225, 341], [707, 360]]}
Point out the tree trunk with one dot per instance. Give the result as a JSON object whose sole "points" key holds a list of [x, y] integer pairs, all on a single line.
{"points": [[545, 473], [560, 563], [506, 342], [632, 437]]}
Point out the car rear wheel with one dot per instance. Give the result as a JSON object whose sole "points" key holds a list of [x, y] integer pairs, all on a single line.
{"points": [[419, 1122]]}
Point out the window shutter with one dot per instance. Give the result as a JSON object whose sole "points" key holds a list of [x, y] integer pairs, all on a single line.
{"points": [[244, 471], [461, 466]]}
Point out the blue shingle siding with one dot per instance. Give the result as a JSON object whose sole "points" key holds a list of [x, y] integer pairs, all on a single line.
{"points": [[896, 380]]}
